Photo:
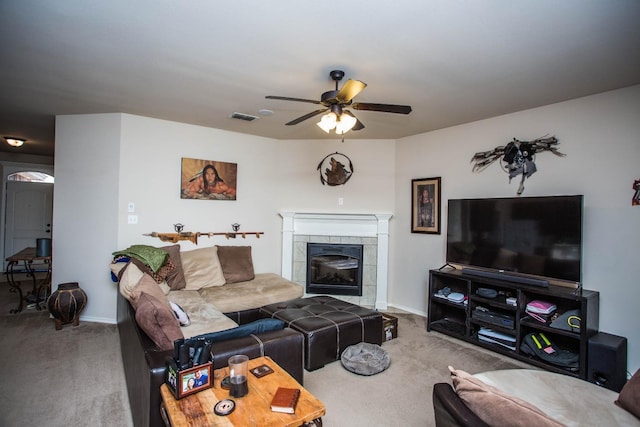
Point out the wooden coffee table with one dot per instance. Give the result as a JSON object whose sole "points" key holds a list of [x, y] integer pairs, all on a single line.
{"points": [[252, 409]]}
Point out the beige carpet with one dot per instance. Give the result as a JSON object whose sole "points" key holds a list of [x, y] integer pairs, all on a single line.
{"points": [[71, 377], [401, 395], [74, 377]]}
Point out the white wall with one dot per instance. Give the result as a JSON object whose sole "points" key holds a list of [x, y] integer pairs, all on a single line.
{"points": [[600, 136], [272, 176], [85, 203], [103, 162]]}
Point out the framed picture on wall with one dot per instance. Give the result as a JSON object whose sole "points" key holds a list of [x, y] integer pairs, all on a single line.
{"points": [[425, 205], [208, 180]]}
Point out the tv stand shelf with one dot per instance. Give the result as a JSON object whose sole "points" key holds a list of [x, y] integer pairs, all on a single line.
{"points": [[464, 320]]}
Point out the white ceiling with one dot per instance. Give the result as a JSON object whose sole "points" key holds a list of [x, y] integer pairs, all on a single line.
{"points": [[197, 61]]}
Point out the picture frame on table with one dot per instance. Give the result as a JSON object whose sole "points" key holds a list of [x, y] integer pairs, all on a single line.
{"points": [[425, 205], [188, 381]]}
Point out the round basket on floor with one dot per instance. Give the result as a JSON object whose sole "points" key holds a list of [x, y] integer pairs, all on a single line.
{"points": [[365, 359]]}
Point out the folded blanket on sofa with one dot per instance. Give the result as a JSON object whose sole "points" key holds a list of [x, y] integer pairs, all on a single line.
{"points": [[151, 256]]}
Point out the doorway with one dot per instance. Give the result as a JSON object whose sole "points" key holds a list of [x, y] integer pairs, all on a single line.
{"points": [[28, 210]]}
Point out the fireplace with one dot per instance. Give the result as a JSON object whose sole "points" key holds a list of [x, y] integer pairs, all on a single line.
{"points": [[334, 269], [371, 230]]}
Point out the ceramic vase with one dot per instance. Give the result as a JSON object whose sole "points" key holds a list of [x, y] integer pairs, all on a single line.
{"points": [[66, 304]]}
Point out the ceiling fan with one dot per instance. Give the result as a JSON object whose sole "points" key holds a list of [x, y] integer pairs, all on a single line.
{"points": [[336, 101]]}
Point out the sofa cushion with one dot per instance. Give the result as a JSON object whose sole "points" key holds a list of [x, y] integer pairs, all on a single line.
{"points": [[562, 397], [205, 317], [129, 277], [175, 279], [256, 327], [264, 289], [236, 262], [147, 285], [495, 407], [629, 397], [158, 321], [202, 268]]}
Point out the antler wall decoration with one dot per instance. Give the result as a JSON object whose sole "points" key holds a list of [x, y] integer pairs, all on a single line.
{"points": [[518, 157]]}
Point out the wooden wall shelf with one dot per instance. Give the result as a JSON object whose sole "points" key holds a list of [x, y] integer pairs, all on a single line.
{"points": [[193, 236]]}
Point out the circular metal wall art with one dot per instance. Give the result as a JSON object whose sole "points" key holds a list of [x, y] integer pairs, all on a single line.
{"points": [[335, 169]]}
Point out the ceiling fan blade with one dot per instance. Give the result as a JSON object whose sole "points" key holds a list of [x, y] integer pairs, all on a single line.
{"points": [[305, 117], [286, 98], [349, 90], [385, 108], [358, 125]]}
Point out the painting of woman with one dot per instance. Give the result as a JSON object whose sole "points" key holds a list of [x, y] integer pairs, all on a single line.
{"points": [[208, 183]]}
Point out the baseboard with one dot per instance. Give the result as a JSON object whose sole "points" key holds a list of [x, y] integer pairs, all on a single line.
{"points": [[408, 309]]}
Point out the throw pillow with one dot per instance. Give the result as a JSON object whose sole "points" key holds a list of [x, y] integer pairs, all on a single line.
{"points": [[256, 327], [181, 315], [159, 276], [236, 262], [495, 407], [129, 278], [148, 286], [175, 279], [629, 397], [158, 321], [116, 267], [202, 268]]}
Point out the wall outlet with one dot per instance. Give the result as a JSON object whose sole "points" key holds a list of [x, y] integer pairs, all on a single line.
{"points": [[340, 201], [131, 207], [132, 219]]}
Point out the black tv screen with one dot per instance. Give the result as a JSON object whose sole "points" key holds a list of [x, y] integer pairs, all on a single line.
{"points": [[539, 236]]}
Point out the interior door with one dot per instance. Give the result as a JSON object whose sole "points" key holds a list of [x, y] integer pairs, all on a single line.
{"points": [[29, 211]]}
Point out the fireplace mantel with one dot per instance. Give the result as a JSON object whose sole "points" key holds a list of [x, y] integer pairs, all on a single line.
{"points": [[339, 224]]}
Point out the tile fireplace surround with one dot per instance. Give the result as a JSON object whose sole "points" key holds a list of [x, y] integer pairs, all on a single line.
{"points": [[369, 230]]}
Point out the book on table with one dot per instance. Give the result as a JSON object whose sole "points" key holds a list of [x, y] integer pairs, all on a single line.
{"points": [[285, 400]]}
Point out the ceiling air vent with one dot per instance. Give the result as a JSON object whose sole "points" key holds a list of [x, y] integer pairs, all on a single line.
{"points": [[243, 116]]}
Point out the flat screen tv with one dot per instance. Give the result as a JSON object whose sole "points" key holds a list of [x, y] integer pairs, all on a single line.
{"points": [[539, 236]]}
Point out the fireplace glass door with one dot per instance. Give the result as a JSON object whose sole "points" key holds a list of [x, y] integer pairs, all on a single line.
{"points": [[334, 269]]}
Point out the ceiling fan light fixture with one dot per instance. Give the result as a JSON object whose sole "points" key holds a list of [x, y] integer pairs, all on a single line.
{"points": [[345, 124], [336, 100], [14, 142], [327, 122]]}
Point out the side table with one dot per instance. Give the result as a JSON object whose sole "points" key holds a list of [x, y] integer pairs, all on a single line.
{"points": [[252, 409], [32, 266]]}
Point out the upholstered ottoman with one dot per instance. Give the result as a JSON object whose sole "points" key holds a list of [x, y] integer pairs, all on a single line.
{"points": [[329, 326]]}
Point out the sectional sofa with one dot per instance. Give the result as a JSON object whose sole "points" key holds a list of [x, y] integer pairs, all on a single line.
{"points": [[218, 291]]}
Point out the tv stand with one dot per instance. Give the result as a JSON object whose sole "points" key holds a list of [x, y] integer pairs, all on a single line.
{"points": [[506, 314], [503, 275]]}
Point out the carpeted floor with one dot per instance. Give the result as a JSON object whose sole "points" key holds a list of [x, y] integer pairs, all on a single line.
{"points": [[75, 377], [71, 377], [401, 395]]}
